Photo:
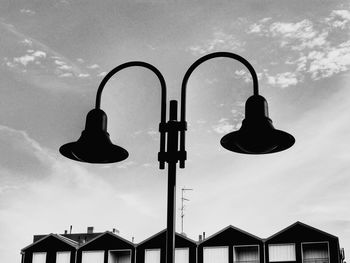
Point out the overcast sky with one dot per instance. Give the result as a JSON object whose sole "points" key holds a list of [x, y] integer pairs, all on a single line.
{"points": [[53, 55]]}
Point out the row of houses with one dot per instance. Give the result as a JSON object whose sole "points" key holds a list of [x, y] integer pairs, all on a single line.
{"points": [[296, 243]]}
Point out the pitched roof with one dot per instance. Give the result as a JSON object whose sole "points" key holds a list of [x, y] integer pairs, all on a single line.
{"points": [[230, 227], [59, 237], [107, 233], [303, 225], [164, 230]]}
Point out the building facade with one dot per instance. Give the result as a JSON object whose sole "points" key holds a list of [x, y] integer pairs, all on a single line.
{"points": [[302, 243], [231, 244], [107, 248], [297, 243], [50, 248], [153, 249]]}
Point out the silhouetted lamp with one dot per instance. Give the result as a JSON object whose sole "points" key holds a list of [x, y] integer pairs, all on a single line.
{"points": [[256, 135], [94, 144]]}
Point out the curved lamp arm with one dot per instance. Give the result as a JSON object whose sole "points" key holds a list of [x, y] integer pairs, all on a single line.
{"points": [[163, 94], [133, 64], [188, 74]]}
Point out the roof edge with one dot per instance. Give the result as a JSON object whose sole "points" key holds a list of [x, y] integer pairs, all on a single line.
{"points": [[57, 236], [230, 227], [164, 230], [304, 225], [105, 233]]}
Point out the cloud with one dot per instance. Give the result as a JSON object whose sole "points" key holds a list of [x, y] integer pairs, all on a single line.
{"points": [[84, 75], [65, 67], [102, 74], [330, 62], [299, 35], [27, 11], [300, 30], [24, 60], [31, 57], [223, 126], [59, 62], [39, 54], [245, 75], [93, 66], [27, 42], [21, 154], [66, 75], [43, 66], [255, 28], [219, 41], [313, 47], [283, 80], [339, 18]]}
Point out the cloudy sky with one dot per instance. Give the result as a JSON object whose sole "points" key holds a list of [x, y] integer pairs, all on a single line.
{"points": [[53, 55]]}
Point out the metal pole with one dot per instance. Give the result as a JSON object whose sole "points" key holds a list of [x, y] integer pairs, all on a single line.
{"points": [[170, 238], [172, 148]]}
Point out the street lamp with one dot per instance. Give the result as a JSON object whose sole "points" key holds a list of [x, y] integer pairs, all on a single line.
{"points": [[256, 135]]}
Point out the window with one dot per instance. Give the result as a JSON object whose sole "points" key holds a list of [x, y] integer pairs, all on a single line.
{"points": [[119, 256], [246, 254], [39, 257], [282, 252], [181, 255], [315, 252], [215, 255], [152, 256], [63, 257], [93, 257]]}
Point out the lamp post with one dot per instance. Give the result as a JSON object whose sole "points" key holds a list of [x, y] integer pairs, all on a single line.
{"points": [[256, 135]]}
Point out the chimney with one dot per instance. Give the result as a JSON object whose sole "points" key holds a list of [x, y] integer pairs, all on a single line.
{"points": [[90, 229], [115, 231], [200, 238], [70, 229], [203, 235], [65, 232], [133, 239]]}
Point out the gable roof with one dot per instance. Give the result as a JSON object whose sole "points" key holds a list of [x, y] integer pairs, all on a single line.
{"points": [[66, 240], [303, 225], [230, 227], [164, 230], [107, 233]]}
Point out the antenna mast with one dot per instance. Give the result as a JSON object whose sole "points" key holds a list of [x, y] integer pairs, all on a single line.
{"points": [[183, 190]]}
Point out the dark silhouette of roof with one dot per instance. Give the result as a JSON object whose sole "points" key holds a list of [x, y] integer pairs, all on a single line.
{"points": [[107, 233], [57, 236], [298, 223], [162, 231], [230, 227]]}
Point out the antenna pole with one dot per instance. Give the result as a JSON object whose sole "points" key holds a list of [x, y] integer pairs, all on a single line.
{"points": [[183, 206]]}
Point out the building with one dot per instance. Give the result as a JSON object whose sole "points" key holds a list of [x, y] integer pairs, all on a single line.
{"points": [[153, 249], [302, 243], [297, 243], [50, 248], [231, 244], [108, 248]]}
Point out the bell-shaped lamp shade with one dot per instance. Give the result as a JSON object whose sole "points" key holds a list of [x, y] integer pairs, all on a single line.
{"points": [[257, 134], [94, 144]]}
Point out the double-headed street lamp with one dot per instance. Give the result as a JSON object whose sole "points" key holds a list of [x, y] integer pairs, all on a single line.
{"points": [[256, 135]]}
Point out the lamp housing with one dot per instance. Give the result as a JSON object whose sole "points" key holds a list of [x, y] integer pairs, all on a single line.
{"points": [[257, 134], [94, 144]]}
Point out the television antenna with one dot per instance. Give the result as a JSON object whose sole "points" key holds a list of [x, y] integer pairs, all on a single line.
{"points": [[183, 199]]}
